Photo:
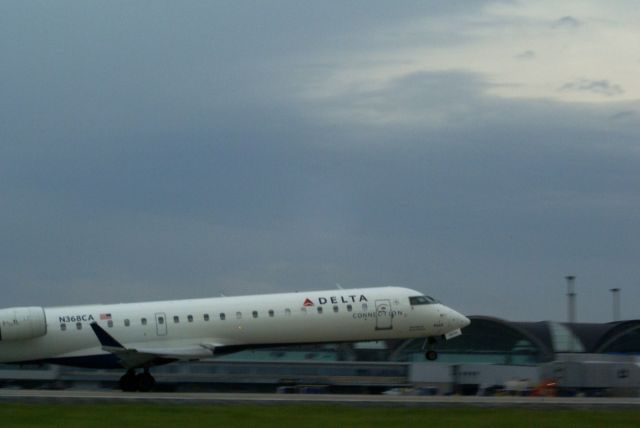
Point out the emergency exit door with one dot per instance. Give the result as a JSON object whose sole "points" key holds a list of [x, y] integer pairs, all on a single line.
{"points": [[161, 324]]}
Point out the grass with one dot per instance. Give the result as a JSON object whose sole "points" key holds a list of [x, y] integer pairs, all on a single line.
{"points": [[156, 416]]}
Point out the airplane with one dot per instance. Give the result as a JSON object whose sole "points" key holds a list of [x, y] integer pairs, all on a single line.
{"points": [[138, 336]]}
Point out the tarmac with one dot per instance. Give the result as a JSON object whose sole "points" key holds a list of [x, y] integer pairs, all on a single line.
{"points": [[107, 397]]}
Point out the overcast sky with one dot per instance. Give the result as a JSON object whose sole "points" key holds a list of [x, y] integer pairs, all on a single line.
{"points": [[475, 151]]}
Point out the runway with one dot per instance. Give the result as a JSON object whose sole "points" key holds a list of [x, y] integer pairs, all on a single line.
{"points": [[100, 397]]}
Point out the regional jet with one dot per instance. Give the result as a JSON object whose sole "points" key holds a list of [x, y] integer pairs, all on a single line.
{"points": [[138, 336]]}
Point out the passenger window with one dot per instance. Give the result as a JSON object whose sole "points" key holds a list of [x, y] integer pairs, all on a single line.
{"points": [[79, 325], [319, 309], [335, 308], [206, 317], [349, 308], [160, 320], [287, 312], [255, 314], [143, 321], [109, 323], [222, 316], [63, 327], [127, 323], [190, 318], [239, 315], [271, 313], [364, 307], [176, 319]]}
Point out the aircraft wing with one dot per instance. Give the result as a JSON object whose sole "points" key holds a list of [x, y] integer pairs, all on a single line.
{"points": [[140, 357]]}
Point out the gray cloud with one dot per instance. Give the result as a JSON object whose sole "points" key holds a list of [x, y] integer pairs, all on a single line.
{"points": [[526, 55], [164, 153], [625, 114], [601, 87], [567, 22]]}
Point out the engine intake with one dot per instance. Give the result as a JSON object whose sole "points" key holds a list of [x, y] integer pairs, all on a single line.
{"points": [[22, 323]]}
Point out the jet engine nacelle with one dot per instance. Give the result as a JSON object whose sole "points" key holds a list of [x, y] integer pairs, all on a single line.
{"points": [[22, 323]]}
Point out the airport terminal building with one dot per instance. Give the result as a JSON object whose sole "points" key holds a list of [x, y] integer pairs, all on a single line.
{"points": [[496, 341], [490, 353]]}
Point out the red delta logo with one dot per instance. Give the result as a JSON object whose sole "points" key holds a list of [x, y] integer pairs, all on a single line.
{"points": [[352, 298]]}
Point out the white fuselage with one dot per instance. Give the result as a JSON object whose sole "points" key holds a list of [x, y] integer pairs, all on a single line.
{"points": [[209, 324]]}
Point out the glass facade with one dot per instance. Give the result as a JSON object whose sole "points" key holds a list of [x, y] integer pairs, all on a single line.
{"points": [[563, 339], [483, 341], [622, 342]]}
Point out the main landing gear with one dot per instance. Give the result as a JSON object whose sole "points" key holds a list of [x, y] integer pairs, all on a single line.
{"points": [[142, 382], [430, 354]]}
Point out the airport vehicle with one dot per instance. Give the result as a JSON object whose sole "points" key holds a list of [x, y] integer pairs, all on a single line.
{"points": [[137, 336]]}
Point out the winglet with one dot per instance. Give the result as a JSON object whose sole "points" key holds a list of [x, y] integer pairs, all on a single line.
{"points": [[105, 338]]}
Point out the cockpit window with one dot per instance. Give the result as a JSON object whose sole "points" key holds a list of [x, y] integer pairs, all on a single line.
{"points": [[421, 300]]}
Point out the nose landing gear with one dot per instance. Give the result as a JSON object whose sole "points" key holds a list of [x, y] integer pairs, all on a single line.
{"points": [[430, 354]]}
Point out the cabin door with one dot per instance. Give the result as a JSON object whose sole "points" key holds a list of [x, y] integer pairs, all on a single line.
{"points": [[161, 324], [384, 317]]}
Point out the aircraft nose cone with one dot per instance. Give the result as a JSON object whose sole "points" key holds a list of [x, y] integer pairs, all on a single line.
{"points": [[460, 320], [464, 321]]}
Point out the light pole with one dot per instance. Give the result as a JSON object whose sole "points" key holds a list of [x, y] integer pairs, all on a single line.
{"points": [[571, 308], [571, 298], [615, 294]]}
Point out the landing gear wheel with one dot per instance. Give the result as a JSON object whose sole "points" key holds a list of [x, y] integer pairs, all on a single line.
{"points": [[146, 382], [431, 355], [129, 382]]}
